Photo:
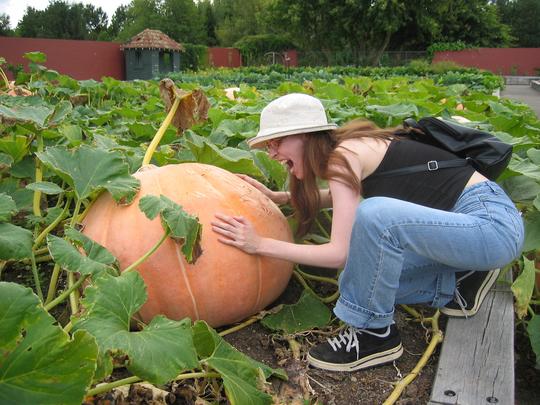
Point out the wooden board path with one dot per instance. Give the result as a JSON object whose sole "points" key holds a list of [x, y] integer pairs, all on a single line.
{"points": [[476, 365]]}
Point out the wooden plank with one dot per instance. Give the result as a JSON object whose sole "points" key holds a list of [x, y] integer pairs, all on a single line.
{"points": [[476, 365]]}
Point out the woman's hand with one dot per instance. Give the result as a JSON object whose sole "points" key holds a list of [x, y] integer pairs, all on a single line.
{"points": [[236, 231], [278, 197]]}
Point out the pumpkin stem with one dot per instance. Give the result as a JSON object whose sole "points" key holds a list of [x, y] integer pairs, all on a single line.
{"points": [[161, 131], [66, 293], [39, 177], [36, 277], [134, 265]]}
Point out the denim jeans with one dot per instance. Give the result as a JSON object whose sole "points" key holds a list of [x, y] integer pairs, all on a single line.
{"points": [[405, 253]]}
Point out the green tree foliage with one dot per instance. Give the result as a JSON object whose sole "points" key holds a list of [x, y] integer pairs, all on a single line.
{"points": [[210, 23], [523, 17], [63, 20], [237, 19], [473, 22], [179, 19], [5, 29], [369, 27], [363, 26]]}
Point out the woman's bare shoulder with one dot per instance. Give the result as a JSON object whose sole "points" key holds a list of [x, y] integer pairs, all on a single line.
{"points": [[364, 153]]}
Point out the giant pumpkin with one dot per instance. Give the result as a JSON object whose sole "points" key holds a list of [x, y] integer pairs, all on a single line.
{"points": [[224, 285]]}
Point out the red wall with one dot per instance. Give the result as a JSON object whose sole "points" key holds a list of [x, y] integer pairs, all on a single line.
{"points": [[504, 61], [226, 57], [79, 59]]}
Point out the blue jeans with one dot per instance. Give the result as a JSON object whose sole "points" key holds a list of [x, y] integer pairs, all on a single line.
{"points": [[405, 253]]}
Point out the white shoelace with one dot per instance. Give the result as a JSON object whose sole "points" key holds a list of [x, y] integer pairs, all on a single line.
{"points": [[460, 299], [349, 338]]}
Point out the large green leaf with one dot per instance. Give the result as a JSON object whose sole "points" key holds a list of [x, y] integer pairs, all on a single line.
{"points": [[7, 207], [96, 261], [89, 170], [242, 128], [231, 159], [533, 328], [307, 313], [532, 231], [39, 363], [15, 146], [183, 227], [5, 161], [36, 114], [521, 188], [46, 187], [239, 373], [15, 242], [158, 353], [523, 287]]}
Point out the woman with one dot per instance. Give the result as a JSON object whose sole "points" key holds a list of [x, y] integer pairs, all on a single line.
{"points": [[416, 238]]}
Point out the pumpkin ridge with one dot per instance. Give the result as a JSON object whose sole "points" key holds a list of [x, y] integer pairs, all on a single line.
{"points": [[259, 283], [179, 255]]}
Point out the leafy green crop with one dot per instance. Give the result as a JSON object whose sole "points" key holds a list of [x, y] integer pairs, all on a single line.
{"points": [[72, 140]]}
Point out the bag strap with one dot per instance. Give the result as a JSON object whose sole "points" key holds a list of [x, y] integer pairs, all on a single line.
{"points": [[430, 166]]}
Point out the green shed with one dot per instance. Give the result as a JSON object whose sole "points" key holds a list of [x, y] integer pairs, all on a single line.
{"points": [[150, 54]]}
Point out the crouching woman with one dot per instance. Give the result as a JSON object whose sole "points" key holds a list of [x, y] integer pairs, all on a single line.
{"points": [[435, 237]]}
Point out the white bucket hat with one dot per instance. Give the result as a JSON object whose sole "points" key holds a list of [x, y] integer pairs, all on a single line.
{"points": [[292, 114]]}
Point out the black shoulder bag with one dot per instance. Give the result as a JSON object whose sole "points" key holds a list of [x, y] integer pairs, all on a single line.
{"points": [[487, 154]]}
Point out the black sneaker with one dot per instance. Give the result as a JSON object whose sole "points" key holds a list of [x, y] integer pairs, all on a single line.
{"points": [[471, 289], [355, 349]]}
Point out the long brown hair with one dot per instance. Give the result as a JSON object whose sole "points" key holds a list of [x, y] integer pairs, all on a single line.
{"points": [[320, 153]]}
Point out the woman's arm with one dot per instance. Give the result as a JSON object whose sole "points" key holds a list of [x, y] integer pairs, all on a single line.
{"points": [[238, 232], [278, 197]]}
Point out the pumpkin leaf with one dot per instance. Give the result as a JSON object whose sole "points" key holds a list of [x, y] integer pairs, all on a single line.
{"points": [[46, 187], [231, 159], [71, 259], [523, 287], [240, 373], [15, 242], [93, 249], [7, 207], [307, 313], [5, 161], [36, 114], [110, 303], [193, 107], [532, 231], [183, 227], [39, 363], [15, 146], [533, 328], [90, 170]]}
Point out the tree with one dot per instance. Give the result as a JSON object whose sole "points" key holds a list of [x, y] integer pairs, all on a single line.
{"points": [[358, 26], [182, 21], [237, 19], [63, 20], [5, 29], [209, 22], [523, 17], [140, 14]]}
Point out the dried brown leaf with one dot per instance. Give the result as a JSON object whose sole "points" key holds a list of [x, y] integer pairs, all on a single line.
{"points": [[193, 107]]}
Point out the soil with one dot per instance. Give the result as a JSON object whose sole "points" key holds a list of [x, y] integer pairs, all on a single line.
{"points": [[306, 385], [371, 386]]}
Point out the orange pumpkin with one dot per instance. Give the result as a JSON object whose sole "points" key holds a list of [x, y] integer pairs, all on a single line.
{"points": [[224, 285]]}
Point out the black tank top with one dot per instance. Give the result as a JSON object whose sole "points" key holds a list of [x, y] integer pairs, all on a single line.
{"points": [[436, 189]]}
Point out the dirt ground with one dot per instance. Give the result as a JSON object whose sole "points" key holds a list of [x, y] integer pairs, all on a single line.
{"points": [[309, 386], [370, 386]]}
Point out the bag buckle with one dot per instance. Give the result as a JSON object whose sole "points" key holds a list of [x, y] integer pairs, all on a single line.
{"points": [[432, 165]]}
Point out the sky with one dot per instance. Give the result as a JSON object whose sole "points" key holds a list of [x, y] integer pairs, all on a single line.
{"points": [[16, 8]]}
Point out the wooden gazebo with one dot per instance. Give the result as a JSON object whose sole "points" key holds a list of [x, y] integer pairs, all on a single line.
{"points": [[151, 53]]}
